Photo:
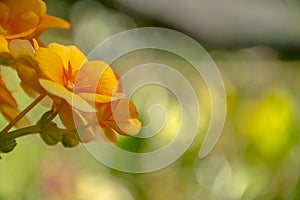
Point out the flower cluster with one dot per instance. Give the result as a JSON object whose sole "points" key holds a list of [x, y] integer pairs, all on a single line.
{"points": [[79, 89]]}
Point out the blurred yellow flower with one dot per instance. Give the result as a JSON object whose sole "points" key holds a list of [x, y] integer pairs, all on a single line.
{"points": [[267, 123], [9, 106], [26, 19]]}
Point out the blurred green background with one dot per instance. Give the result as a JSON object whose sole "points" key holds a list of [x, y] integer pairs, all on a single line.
{"points": [[256, 46]]}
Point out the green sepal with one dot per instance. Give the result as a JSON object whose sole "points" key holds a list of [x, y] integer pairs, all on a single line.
{"points": [[50, 133], [7, 145]]}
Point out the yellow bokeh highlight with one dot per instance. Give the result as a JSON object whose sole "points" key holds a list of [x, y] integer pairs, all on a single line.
{"points": [[267, 123]]}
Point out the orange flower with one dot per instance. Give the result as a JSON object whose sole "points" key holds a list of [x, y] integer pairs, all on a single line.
{"points": [[58, 67], [8, 105], [26, 19], [118, 116], [74, 83], [54, 70]]}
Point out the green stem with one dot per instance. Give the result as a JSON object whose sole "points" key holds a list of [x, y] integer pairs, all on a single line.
{"points": [[22, 131], [22, 114]]}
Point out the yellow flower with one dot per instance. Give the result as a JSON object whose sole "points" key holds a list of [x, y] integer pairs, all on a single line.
{"points": [[8, 105], [118, 116], [26, 19]]}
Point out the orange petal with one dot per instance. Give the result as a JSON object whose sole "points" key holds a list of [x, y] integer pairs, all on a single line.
{"points": [[5, 95], [11, 112], [96, 75], [4, 14], [69, 117], [29, 77], [129, 127], [103, 112], [23, 24], [43, 8], [8, 105], [73, 99], [20, 35], [123, 109], [66, 116], [110, 134], [50, 65], [49, 21], [24, 5]]}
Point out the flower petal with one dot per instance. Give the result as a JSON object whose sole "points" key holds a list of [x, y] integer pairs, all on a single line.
{"points": [[123, 109], [8, 105], [71, 57], [129, 127], [49, 21], [96, 76], [5, 95], [99, 98], [43, 8], [77, 59], [66, 116], [110, 134], [29, 77], [50, 65], [4, 14], [16, 7], [23, 52], [29, 91], [70, 116], [73, 99], [23, 25], [63, 52]]}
